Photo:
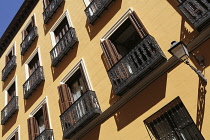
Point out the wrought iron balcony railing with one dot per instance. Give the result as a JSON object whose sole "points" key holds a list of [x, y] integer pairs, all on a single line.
{"points": [[26, 43], [134, 66], [47, 134], [96, 8], [9, 110], [8, 68], [197, 12], [63, 46], [51, 9], [82, 111], [33, 82]]}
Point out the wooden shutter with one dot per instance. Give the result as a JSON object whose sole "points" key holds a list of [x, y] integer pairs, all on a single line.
{"points": [[65, 95], [33, 21], [110, 53], [16, 135], [138, 25], [46, 117], [33, 129]]}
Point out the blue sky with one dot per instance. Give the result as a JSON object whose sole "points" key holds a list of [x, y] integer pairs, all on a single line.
{"points": [[8, 9]]}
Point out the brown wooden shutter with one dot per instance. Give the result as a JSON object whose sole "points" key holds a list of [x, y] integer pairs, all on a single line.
{"points": [[45, 115], [110, 52], [138, 24], [16, 135], [65, 96], [6, 59], [33, 129], [13, 50], [32, 21]]}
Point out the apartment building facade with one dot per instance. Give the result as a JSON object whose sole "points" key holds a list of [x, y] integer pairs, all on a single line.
{"points": [[100, 69]]}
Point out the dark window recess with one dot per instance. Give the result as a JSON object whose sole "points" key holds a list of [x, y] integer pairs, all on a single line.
{"points": [[50, 7], [11, 92], [28, 36], [96, 8], [131, 54], [172, 122], [10, 63], [66, 38], [36, 76], [78, 104], [15, 137], [197, 12], [39, 127]]}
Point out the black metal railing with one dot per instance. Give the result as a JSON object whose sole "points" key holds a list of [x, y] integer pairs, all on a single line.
{"points": [[33, 82], [9, 110], [197, 12], [28, 40], [51, 9], [63, 46], [8, 68], [47, 134], [134, 66], [96, 8], [80, 113]]}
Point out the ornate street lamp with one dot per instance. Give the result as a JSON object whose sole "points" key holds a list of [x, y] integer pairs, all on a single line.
{"points": [[179, 50]]}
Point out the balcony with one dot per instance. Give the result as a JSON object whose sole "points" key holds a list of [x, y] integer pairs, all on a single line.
{"points": [[197, 12], [85, 109], [96, 8], [8, 68], [51, 9], [137, 64], [47, 134], [33, 82], [29, 39], [63, 46], [9, 110]]}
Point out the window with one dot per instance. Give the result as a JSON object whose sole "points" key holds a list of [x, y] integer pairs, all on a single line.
{"points": [[39, 124], [28, 28], [14, 135], [63, 37], [34, 73], [46, 3], [10, 91], [33, 64], [173, 122], [130, 52], [120, 42], [10, 54]]}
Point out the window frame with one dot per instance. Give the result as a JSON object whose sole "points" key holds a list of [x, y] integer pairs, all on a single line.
{"points": [[12, 48], [37, 50], [14, 80], [17, 129], [79, 65], [52, 35], [26, 26]]}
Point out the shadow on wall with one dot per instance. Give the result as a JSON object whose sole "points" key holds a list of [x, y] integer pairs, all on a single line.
{"points": [[53, 20], [93, 134], [185, 35], [201, 52], [29, 51], [9, 124], [93, 30], [141, 103], [67, 59], [34, 96]]}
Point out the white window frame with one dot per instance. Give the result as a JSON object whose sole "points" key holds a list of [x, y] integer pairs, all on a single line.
{"points": [[52, 35], [80, 64], [13, 133], [117, 24], [37, 50], [39, 106], [7, 88], [26, 26], [87, 2]]}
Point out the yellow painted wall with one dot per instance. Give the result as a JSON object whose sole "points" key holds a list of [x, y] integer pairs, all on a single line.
{"points": [[163, 21]]}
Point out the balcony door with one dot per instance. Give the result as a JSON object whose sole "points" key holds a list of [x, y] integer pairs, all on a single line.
{"points": [[10, 55], [33, 64], [124, 39], [28, 29], [11, 92]]}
